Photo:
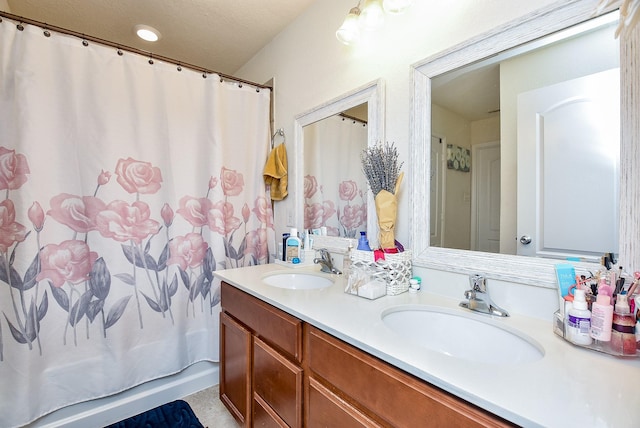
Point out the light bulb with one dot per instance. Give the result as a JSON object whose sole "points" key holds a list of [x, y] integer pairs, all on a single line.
{"points": [[396, 6], [349, 31], [372, 16], [147, 33]]}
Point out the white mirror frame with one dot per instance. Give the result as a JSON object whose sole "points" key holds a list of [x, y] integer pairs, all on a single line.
{"points": [[373, 94], [520, 269]]}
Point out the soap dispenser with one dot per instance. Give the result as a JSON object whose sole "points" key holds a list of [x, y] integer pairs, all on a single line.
{"points": [[623, 334], [580, 320], [363, 242]]}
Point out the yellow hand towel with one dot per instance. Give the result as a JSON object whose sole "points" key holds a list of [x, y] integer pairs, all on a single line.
{"points": [[275, 172]]}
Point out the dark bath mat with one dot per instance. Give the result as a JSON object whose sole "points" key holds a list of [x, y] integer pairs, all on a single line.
{"points": [[177, 414]]}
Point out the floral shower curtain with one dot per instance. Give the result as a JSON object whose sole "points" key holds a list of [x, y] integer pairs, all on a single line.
{"points": [[335, 189], [123, 185]]}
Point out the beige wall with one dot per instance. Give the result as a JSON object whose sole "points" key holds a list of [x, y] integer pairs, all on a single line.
{"points": [[310, 66], [4, 6], [456, 130]]}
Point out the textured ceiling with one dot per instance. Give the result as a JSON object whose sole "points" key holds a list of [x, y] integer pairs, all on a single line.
{"points": [[219, 35]]}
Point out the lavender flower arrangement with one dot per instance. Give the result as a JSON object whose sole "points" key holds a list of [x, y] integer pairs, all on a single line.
{"points": [[381, 168]]}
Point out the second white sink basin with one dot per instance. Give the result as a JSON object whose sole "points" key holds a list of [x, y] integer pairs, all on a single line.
{"points": [[461, 335], [298, 280]]}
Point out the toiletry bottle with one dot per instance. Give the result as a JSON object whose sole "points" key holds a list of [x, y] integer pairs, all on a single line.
{"points": [[363, 242], [568, 304], [284, 246], [580, 320], [293, 246], [601, 318], [637, 300], [623, 334]]}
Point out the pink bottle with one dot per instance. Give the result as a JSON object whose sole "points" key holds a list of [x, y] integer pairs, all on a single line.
{"points": [[601, 318]]}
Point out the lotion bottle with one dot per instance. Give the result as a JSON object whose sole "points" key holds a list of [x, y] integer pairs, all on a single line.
{"points": [[601, 318], [580, 320], [293, 246]]}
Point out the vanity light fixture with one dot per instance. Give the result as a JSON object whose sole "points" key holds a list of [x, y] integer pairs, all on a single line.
{"points": [[369, 17], [372, 16], [349, 31], [147, 33]]}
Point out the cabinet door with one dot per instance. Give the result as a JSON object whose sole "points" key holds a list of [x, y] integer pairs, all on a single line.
{"points": [[277, 382], [235, 369], [326, 409]]}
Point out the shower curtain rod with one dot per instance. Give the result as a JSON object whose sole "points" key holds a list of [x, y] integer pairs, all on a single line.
{"points": [[151, 55], [355, 119]]}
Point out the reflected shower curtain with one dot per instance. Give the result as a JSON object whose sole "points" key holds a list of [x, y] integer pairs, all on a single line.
{"points": [[123, 185], [335, 189]]}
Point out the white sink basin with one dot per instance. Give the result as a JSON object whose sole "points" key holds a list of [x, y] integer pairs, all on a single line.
{"points": [[298, 280], [466, 336]]}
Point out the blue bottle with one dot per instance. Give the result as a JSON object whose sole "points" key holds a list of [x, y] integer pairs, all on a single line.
{"points": [[363, 242]]}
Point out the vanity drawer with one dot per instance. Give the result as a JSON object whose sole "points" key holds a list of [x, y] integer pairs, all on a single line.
{"points": [[326, 409], [396, 397], [272, 325], [278, 383]]}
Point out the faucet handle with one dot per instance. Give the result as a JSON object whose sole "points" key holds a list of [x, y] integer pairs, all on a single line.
{"points": [[478, 283], [324, 254]]}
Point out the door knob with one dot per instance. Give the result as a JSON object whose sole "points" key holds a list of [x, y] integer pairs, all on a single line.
{"points": [[525, 240]]}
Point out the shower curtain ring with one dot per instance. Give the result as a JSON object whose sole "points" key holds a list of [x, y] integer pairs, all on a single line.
{"points": [[151, 59], [20, 27], [46, 33]]}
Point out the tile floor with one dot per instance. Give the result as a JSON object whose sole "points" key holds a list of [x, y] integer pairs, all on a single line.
{"points": [[209, 409]]}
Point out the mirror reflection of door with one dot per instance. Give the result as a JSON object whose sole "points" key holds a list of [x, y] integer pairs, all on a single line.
{"points": [[485, 197], [572, 130], [335, 189]]}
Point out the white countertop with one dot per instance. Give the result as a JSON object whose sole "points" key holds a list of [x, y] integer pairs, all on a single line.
{"points": [[568, 387]]}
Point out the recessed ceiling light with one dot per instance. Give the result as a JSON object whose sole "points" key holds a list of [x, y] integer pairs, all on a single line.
{"points": [[147, 33]]}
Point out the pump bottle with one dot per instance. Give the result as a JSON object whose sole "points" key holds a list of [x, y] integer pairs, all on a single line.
{"points": [[580, 320], [363, 242], [623, 334]]}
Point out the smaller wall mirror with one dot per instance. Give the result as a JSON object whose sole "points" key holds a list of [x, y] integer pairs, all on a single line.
{"points": [[333, 191]]}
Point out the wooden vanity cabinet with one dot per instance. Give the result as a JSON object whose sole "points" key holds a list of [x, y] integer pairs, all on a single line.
{"points": [[276, 371], [261, 380]]}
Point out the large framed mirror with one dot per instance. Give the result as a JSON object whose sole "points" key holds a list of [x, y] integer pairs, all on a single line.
{"points": [[329, 139], [427, 161]]}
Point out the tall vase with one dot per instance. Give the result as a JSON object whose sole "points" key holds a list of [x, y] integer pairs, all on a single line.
{"points": [[387, 212]]}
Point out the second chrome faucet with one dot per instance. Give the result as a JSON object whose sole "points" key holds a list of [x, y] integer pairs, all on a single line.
{"points": [[478, 298]]}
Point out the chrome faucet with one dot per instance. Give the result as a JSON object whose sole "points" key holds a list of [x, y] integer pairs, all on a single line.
{"points": [[478, 298], [326, 262]]}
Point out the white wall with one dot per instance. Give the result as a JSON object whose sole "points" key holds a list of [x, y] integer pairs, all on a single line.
{"points": [[310, 66]]}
